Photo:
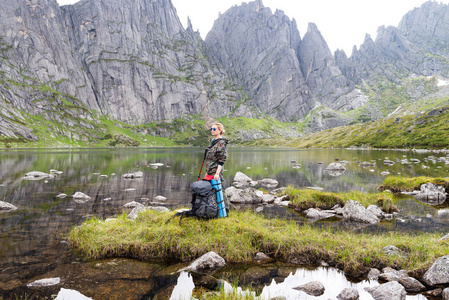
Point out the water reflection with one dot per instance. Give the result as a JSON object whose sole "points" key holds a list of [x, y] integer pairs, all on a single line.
{"points": [[31, 236]]}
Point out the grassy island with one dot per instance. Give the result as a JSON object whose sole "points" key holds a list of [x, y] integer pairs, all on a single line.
{"points": [[158, 236], [398, 184]]}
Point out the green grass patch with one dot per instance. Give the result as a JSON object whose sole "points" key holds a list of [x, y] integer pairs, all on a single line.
{"points": [[397, 184], [302, 199], [241, 235]]}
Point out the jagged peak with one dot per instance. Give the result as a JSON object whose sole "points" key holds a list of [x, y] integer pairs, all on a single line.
{"points": [[368, 39], [312, 28], [189, 24]]}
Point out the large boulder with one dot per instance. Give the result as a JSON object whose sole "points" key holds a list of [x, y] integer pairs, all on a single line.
{"points": [[356, 212], [246, 196], [5, 206], [207, 263], [431, 194], [389, 291], [438, 272], [242, 180], [313, 288]]}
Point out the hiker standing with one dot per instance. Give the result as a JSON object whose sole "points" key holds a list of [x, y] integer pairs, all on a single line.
{"points": [[216, 153]]}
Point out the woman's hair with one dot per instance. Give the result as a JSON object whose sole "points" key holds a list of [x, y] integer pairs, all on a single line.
{"points": [[220, 127]]}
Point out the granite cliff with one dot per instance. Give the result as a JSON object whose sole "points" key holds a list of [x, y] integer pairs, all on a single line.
{"points": [[75, 71]]}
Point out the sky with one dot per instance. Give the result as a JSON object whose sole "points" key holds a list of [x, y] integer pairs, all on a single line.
{"points": [[343, 23]]}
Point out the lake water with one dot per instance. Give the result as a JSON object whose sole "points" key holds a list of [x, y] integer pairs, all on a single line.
{"points": [[32, 237]]}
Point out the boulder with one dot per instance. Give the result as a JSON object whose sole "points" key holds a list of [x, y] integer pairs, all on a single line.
{"points": [[246, 196], [335, 167], [367, 164], [132, 204], [438, 272], [37, 175], [316, 214], [313, 288], [373, 274], [445, 294], [375, 210], [269, 183], [268, 198], [160, 198], [393, 251], [388, 162], [431, 194], [207, 263], [255, 275], [241, 180], [80, 197], [5, 206], [388, 291], [45, 282], [412, 285], [62, 195], [160, 209], [135, 212], [348, 294], [356, 212], [260, 256], [138, 174]]}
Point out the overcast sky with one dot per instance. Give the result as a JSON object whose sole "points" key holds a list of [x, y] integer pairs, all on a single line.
{"points": [[342, 23]]}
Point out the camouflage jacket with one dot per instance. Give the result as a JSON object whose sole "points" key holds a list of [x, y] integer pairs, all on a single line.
{"points": [[216, 155]]}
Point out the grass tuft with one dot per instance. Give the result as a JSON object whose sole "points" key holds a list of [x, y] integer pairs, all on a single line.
{"points": [[397, 184]]}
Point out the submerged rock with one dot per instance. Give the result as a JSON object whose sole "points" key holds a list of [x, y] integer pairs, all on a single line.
{"points": [[388, 291], [314, 288], [316, 214], [207, 263], [45, 282], [62, 195], [255, 275]]}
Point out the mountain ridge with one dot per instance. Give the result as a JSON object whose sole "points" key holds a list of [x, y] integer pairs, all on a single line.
{"points": [[73, 66]]}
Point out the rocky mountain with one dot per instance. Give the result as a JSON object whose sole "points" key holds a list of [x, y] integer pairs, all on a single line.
{"points": [[128, 61], [91, 69]]}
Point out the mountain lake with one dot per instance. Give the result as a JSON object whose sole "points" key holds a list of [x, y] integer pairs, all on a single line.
{"points": [[33, 238]]}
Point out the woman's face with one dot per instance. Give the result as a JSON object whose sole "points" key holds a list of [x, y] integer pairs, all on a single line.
{"points": [[214, 131]]}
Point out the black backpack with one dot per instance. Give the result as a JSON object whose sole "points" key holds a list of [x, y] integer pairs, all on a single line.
{"points": [[204, 202]]}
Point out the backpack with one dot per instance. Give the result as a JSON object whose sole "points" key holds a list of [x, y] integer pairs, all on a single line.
{"points": [[204, 202]]}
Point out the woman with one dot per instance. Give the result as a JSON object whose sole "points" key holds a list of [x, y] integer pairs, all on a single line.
{"points": [[216, 153]]}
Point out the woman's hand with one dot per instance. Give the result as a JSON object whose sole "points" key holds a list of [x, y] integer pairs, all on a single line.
{"points": [[217, 177]]}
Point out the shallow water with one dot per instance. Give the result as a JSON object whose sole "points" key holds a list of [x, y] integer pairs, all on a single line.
{"points": [[31, 237]]}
